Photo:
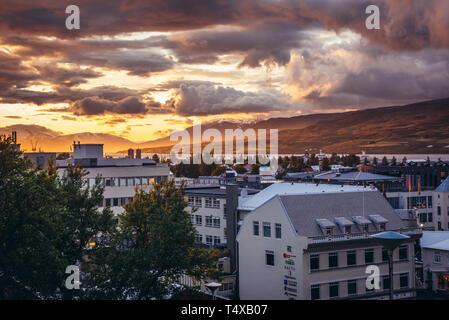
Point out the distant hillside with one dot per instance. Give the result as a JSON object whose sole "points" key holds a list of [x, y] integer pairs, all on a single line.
{"points": [[47, 140], [417, 128]]}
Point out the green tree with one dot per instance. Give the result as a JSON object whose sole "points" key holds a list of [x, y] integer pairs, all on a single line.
{"points": [[153, 248], [325, 164], [30, 262], [45, 225]]}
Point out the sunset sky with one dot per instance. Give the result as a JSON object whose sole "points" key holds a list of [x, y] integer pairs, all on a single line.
{"points": [[140, 68]]}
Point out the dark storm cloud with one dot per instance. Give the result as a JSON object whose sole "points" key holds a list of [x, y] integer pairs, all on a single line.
{"points": [[257, 46], [97, 106], [204, 100]]}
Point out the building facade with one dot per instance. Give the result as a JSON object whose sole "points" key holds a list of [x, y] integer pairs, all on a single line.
{"points": [[318, 246], [119, 176]]}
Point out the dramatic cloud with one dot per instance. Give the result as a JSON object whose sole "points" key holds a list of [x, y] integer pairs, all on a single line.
{"points": [[209, 100], [213, 57]]}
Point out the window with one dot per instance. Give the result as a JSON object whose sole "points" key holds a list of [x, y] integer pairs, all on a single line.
{"points": [[130, 181], [382, 226], [448, 211], [256, 228], [369, 256], [333, 289], [216, 222], [403, 252], [191, 201], [422, 217], [269, 258], [208, 240], [289, 249], [192, 218], [429, 201], [225, 233], [217, 240], [384, 255], [333, 260], [267, 229], [208, 221], [430, 217], [348, 229], [122, 182], [351, 258], [352, 287], [314, 262], [439, 225], [199, 238], [315, 292], [108, 202], [328, 231], [115, 202], [386, 282], [436, 257], [439, 210], [212, 202], [198, 220], [278, 230], [107, 182], [403, 280]]}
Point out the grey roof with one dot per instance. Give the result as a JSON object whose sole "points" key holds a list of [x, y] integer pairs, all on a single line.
{"points": [[356, 176], [304, 209], [444, 186]]}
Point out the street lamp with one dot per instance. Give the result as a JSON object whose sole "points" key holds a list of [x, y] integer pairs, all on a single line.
{"points": [[213, 286], [390, 240]]}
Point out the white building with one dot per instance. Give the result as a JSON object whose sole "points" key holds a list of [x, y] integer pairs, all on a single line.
{"points": [[435, 257], [308, 241], [441, 206], [119, 176]]}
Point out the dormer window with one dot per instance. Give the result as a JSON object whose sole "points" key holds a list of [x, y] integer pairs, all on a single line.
{"points": [[326, 226], [344, 224], [362, 222], [379, 221]]}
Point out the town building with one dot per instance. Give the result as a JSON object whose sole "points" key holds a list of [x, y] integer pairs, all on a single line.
{"points": [[441, 206], [308, 241], [435, 260], [119, 176]]}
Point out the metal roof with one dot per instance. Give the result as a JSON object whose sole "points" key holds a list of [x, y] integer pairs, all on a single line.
{"points": [[288, 188], [356, 176], [304, 209]]}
